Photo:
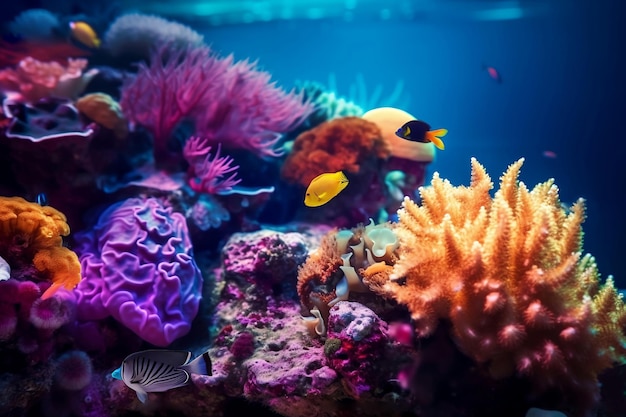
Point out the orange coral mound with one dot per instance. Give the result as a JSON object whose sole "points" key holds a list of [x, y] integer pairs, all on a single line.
{"points": [[343, 144], [508, 273], [35, 233]]}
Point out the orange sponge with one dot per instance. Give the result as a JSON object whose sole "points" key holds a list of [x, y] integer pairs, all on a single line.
{"points": [[36, 233], [343, 144]]}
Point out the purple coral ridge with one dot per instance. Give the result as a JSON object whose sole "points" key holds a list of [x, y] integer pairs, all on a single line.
{"points": [[138, 267]]}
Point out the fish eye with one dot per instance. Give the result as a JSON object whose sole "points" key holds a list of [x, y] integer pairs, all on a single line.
{"points": [[308, 194]]}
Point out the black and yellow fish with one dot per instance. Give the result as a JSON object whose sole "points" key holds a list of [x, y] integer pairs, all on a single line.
{"points": [[419, 131]]}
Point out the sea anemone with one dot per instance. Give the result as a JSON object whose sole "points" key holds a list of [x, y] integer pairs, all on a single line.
{"points": [[51, 313], [135, 35], [74, 370], [8, 322]]}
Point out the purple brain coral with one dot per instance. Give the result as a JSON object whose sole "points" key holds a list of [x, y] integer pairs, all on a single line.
{"points": [[138, 267]]}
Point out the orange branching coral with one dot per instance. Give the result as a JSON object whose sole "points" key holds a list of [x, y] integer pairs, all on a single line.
{"points": [[30, 233], [508, 273], [318, 276], [344, 144]]}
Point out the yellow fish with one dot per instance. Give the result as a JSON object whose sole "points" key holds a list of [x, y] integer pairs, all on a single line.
{"points": [[324, 187], [85, 34]]}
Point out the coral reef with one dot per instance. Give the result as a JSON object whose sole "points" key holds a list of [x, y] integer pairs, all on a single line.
{"points": [[508, 273], [184, 172], [337, 267], [206, 170], [35, 24], [135, 36], [32, 80], [356, 341], [31, 239], [348, 144], [265, 258], [229, 102], [138, 268]]}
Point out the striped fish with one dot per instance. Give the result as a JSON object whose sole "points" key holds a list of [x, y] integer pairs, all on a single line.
{"points": [[160, 370]]}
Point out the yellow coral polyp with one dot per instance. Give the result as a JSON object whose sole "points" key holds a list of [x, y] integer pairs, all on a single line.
{"points": [[38, 231]]}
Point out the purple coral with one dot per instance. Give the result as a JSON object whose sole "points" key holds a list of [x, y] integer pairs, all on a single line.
{"points": [[138, 267]]}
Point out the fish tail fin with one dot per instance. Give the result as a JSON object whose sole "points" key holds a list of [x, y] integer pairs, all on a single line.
{"points": [[439, 132], [201, 365], [433, 136]]}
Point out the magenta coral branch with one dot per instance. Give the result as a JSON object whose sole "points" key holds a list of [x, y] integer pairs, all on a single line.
{"points": [[252, 112], [230, 103], [207, 171], [169, 90]]}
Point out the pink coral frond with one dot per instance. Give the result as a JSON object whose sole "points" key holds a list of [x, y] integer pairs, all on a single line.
{"points": [[253, 112], [170, 89], [208, 171]]}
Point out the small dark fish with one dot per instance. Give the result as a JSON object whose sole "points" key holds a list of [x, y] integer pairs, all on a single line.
{"points": [[42, 199], [419, 131], [160, 370], [493, 73]]}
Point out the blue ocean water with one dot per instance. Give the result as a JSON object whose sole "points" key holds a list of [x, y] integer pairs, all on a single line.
{"points": [[563, 90]]}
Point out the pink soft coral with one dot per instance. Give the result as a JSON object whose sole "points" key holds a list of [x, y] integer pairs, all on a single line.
{"points": [[32, 80], [207, 171], [251, 113], [170, 89], [230, 103]]}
